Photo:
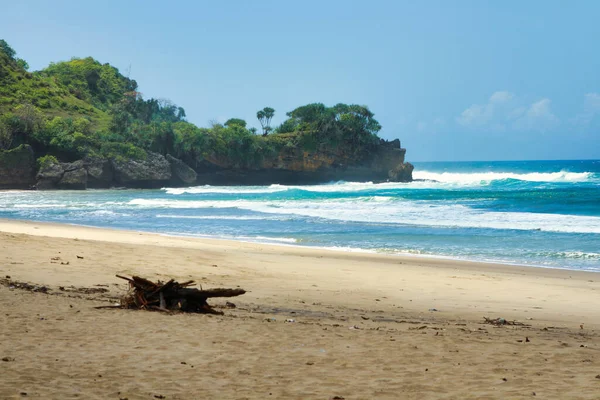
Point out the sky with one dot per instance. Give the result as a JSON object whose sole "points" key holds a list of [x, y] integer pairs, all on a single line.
{"points": [[454, 80]]}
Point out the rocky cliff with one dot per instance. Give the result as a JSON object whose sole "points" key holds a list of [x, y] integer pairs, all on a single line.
{"points": [[292, 166]]}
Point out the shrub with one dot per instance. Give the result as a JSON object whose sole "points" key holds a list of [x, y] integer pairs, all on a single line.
{"points": [[46, 161]]}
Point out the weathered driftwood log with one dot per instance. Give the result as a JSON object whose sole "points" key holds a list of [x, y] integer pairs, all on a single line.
{"points": [[148, 295]]}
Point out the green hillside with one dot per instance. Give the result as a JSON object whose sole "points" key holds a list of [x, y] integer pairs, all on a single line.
{"points": [[85, 109]]}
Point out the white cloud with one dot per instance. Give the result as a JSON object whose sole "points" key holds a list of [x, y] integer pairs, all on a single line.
{"points": [[504, 111], [501, 97], [475, 115], [538, 117], [517, 113], [482, 114]]}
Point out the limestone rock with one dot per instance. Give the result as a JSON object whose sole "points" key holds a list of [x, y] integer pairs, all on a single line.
{"points": [[74, 177], [99, 173], [401, 173], [49, 175], [181, 172], [153, 172], [17, 168]]}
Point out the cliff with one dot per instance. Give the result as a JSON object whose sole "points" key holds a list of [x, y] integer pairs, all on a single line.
{"points": [[385, 163], [296, 166]]}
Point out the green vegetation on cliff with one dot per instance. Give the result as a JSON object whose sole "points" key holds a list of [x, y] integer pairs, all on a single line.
{"points": [[84, 109]]}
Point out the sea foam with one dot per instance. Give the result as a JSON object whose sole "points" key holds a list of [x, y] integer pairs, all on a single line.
{"points": [[417, 213], [486, 177]]}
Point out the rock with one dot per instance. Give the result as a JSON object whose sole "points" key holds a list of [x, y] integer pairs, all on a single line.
{"points": [[153, 172], [100, 173], [394, 144], [74, 180], [17, 168], [74, 177], [401, 173], [181, 172], [55, 175], [382, 162], [49, 175], [69, 167]]}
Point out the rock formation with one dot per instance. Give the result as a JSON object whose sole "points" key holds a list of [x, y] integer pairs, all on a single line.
{"points": [[99, 173], [55, 175], [181, 173], [17, 168], [294, 166], [291, 166], [153, 172]]}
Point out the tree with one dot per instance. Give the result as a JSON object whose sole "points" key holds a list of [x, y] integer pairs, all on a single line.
{"points": [[30, 119], [11, 53], [264, 117], [68, 137], [180, 113], [310, 113], [22, 64], [235, 121], [6, 49]]}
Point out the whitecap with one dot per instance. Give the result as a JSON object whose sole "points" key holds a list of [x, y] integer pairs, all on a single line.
{"points": [[486, 177], [419, 213]]}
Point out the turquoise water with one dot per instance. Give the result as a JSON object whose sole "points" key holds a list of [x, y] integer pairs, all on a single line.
{"points": [[542, 213]]}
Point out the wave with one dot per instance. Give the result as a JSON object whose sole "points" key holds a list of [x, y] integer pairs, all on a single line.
{"points": [[221, 217], [486, 177], [334, 187], [207, 189], [424, 180], [389, 211]]}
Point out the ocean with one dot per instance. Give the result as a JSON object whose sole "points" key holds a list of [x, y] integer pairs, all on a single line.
{"points": [[538, 213]]}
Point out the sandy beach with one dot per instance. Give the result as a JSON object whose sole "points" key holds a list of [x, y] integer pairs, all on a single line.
{"points": [[315, 324]]}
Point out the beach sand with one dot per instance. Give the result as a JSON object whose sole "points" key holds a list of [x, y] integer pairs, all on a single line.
{"points": [[364, 326]]}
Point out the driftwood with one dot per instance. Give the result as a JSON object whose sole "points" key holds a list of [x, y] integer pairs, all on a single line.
{"points": [[171, 296], [502, 321]]}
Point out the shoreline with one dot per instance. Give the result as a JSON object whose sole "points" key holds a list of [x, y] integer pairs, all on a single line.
{"points": [[55, 230], [274, 242]]}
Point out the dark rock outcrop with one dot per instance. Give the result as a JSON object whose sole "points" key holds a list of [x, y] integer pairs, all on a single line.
{"points": [[181, 173], [74, 176], [99, 173], [401, 173], [385, 162], [55, 175], [153, 172], [49, 175], [17, 168]]}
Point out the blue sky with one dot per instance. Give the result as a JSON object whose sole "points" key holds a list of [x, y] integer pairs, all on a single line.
{"points": [[454, 80]]}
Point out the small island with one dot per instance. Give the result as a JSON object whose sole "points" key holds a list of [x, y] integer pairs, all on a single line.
{"points": [[82, 124]]}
